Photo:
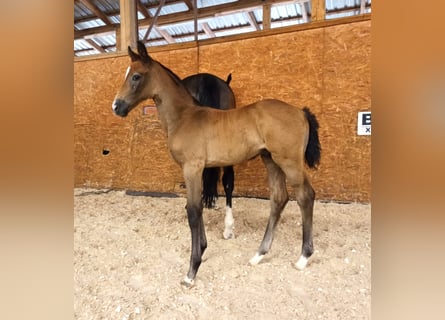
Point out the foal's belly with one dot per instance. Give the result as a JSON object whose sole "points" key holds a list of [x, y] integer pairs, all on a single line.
{"points": [[232, 154]]}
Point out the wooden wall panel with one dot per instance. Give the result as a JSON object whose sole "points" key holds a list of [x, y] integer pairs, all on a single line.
{"points": [[326, 69]]}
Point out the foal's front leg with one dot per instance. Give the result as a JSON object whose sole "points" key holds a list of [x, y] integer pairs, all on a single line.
{"points": [[193, 180]]}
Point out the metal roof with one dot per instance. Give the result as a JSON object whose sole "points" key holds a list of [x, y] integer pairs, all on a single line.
{"points": [[221, 23]]}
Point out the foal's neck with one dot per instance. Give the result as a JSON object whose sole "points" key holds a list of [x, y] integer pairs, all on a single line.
{"points": [[171, 98]]}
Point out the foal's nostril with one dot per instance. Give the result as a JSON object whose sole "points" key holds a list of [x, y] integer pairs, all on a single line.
{"points": [[105, 152], [120, 108]]}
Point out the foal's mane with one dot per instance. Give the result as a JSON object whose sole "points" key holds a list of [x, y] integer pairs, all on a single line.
{"points": [[172, 75], [177, 80]]}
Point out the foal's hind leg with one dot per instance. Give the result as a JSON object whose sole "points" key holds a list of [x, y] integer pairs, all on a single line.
{"points": [[278, 200], [305, 198], [305, 195], [228, 180]]}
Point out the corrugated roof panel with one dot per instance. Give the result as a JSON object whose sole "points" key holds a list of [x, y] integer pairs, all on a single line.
{"points": [[285, 23], [351, 7], [230, 32], [106, 41], [89, 24], [278, 12], [107, 5], [115, 19], [170, 8], [80, 11], [233, 23], [140, 16], [162, 42], [183, 28], [258, 15], [209, 3], [80, 44], [85, 53], [333, 5], [227, 21]]}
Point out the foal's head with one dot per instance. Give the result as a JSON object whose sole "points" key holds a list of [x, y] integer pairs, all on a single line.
{"points": [[137, 85]]}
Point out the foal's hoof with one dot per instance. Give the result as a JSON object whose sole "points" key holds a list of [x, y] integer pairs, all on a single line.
{"points": [[187, 283], [228, 234], [301, 263], [256, 259]]}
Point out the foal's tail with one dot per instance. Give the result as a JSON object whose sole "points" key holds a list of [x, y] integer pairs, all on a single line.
{"points": [[313, 149], [210, 177]]}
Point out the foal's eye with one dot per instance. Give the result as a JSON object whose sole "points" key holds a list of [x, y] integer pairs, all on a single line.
{"points": [[136, 77]]}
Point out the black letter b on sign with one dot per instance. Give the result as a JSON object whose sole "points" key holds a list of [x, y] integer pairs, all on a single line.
{"points": [[366, 119]]}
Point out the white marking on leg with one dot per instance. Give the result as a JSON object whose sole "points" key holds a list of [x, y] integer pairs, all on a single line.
{"points": [[188, 282], [228, 224], [301, 263], [256, 259]]}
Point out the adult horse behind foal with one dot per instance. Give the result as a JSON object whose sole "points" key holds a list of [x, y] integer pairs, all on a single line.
{"points": [[286, 137], [211, 91]]}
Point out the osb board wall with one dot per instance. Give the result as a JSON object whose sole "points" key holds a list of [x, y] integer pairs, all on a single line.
{"points": [[326, 69]]}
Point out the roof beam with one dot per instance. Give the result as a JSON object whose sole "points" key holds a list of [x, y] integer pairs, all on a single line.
{"points": [[252, 20], [362, 6], [93, 43], [304, 11], [318, 10], [189, 4], [165, 35], [128, 34], [142, 9], [266, 17], [153, 20], [95, 10], [185, 16], [205, 26]]}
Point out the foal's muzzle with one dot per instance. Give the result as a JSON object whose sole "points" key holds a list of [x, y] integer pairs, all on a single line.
{"points": [[120, 107]]}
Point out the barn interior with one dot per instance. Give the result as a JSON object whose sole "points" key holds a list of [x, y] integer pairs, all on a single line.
{"points": [[307, 53]]}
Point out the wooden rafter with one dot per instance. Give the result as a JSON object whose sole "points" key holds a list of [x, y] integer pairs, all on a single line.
{"points": [[252, 20], [165, 35], [202, 13], [266, 17], [318, 10], [362, 6], [93, 43], [242, 36], [189, 4], [142, 9], [95, 10], [128, 33], [193, 13], [304, 11], [205, 26], [154, 20]]}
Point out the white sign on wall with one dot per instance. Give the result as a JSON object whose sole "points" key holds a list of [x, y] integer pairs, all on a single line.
{"points": [[364, 123]]}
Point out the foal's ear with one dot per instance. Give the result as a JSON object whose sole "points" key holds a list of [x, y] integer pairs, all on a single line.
{"points": [[134, 56], [143, 52]]}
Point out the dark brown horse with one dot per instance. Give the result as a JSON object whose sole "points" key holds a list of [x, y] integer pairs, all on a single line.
{"points": [[286, 138], [211, 91]]}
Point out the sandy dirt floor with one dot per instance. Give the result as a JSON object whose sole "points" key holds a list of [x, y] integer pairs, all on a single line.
{"points": [[131, 253]]}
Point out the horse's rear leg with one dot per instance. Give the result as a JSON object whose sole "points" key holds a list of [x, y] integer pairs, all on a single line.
{"points": [[305, 197], [228, 180], [278, 200], [193, 180]]}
